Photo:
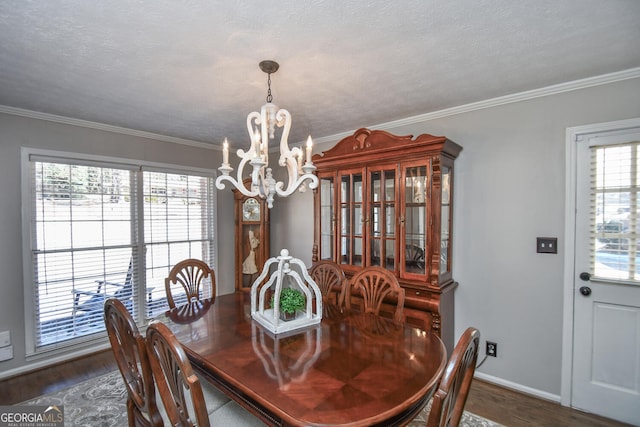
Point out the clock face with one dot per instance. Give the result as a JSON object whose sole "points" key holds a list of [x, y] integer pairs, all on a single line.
{"points": [[251, 210]]}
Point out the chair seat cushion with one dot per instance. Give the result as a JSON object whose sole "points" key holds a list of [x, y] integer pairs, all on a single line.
{"points": [[224, 411], [213, 398], [232, 414]]}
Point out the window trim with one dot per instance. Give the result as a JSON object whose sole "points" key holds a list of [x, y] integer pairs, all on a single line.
{"points": [[28, 154]]}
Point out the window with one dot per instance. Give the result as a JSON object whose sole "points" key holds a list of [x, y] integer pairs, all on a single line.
{"points": [[615, 209], [102, 229]]}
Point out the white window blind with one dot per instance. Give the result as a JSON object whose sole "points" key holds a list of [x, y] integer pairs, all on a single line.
{"points": [[177, 225], [100, 230], [615, 223]]}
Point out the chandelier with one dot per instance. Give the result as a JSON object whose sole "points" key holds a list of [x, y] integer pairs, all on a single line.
{"points": [[261, 127]]}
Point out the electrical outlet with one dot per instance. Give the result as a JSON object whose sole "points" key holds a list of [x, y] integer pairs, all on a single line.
{"points": [[492, 349]]}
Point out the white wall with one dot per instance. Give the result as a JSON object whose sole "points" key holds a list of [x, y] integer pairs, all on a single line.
{"points": [[509, 189]]}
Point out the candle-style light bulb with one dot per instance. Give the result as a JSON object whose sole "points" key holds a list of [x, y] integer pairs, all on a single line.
{"points": [[225, 152], [309, 148], [256, 142]]}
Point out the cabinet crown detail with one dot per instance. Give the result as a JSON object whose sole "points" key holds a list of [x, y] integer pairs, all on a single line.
{"points": [[370, 142]]}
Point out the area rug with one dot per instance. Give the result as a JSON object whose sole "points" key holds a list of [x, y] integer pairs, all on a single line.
{"points": [[101, 402]]}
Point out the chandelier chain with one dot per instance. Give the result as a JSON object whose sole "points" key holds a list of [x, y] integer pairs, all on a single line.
{"points": [[269, 97]]}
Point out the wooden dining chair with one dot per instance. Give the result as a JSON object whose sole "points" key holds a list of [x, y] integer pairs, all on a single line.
{"points": [[449, 399], [175, 378], [190, 274], [373, 285], [330, 278], [187, 399], [130, 351]]}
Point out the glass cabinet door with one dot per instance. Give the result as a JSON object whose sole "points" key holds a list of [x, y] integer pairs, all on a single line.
{"points": [[414, 221], [327, 218], [351, 227], [381, 218], [445, 220]]}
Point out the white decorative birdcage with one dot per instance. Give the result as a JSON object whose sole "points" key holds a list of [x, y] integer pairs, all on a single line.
{"points": [[286, 272]]}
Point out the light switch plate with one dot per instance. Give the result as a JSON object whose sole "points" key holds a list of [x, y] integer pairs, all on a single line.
{"points": [[6, 353], [5, 338], [547, 245]]}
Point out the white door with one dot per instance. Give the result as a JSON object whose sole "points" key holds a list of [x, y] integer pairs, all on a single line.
{"points": [[606, 292]]}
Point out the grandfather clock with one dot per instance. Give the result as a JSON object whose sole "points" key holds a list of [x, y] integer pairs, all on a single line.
{"points": [[252, 239]]}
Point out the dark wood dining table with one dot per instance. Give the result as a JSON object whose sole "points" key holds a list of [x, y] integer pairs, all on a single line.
{"points": [[352, 369]]}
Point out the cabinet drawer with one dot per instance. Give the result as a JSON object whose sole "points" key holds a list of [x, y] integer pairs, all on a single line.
{"points": [[419, 318], [422, 300]]}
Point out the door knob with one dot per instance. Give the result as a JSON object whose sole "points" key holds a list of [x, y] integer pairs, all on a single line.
{"points": [[585, 290], [585, 276]]}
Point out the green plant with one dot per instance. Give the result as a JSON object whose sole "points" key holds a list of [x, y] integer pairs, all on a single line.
{"points": [[291, 300]]}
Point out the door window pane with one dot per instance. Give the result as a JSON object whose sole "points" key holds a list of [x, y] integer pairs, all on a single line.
{"points": [[615, 225]]}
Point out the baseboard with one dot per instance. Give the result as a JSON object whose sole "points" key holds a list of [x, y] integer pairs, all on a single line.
{"points": [[49, 361], [518, 387]]}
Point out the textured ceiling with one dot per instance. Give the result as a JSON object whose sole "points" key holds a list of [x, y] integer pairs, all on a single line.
{"points": [[189, 69]]}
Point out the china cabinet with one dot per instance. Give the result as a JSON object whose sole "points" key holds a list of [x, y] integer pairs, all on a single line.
{"points": [[252, 239], [386, 200]]}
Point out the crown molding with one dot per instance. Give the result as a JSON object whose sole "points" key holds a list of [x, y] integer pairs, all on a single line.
{"points": [[631, 73], [101, 126]]}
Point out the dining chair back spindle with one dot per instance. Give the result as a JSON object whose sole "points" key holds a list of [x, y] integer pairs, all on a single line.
{"points": [[330, 278], [373, 285], [450, 397], [130, 351], [179, 387], [190, 274]]}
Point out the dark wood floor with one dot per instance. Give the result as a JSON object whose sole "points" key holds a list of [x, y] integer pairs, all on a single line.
{"points": [[496, 403], [512, 408]]}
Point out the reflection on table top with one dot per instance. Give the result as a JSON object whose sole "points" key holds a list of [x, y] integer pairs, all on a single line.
{"points": [[352, 369]]}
